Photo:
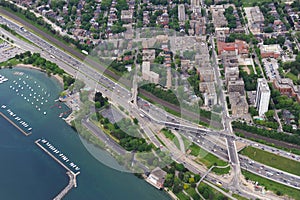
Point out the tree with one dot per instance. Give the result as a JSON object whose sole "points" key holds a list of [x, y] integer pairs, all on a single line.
{"points": [[135, 120], [97, 104]]}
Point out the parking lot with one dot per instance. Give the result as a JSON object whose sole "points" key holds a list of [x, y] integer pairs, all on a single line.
{"points": [[8, 51]]}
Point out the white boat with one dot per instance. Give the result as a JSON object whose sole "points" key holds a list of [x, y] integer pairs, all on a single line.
{"points": [[45, 113]]}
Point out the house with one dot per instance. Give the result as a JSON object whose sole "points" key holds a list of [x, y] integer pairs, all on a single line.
{"points": [[126, 16]]}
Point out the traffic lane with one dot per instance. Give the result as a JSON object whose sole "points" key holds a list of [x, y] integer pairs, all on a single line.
{"points": [[271, 149], [103, 137], [270, 173]]}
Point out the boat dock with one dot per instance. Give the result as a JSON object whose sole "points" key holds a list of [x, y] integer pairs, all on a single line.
{"points": [[14, 124], [72, 169]]}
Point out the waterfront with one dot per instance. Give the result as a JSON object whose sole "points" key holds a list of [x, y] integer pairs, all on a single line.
{"points": [[26, 171]]}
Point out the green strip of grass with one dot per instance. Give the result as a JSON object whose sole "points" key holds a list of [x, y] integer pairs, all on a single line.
{"points": [[294, 151], [209, 159], [182, 196], [291, 76], [10, 62], [278, 188], [209, 193], [250, 3], [192, 192], [272, 160]]}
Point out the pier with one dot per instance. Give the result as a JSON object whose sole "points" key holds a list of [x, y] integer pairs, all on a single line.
{"points": [[72, 173], [72, 183], [14, 124]]}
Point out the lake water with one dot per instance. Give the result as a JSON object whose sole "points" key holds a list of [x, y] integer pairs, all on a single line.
{"points": [[27, 172]]}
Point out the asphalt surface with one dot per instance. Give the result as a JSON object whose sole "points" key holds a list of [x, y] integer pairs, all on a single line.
{"points": [[96, 65], [121, 94]]}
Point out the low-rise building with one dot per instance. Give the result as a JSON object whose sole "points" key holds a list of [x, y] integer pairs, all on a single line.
{"points": [[148, 55], [157, 178], [206, 74], [287, 87], [236, 86], [148, 74], [209, 92], [218, 17], [231, 74], [270, 51], [221, 33], [239, 105], [240, 47]]}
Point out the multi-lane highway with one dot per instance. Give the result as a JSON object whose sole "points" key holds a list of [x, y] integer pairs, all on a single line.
{"points": [[119, 94]]}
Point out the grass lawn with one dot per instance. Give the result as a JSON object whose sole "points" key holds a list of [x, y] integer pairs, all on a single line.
{"points": [[272, 160], [168, 134], [192, 192], [182, 196], [195, 149], [273, 186], [209, 159], [171, 136], [98, 124], [291, 76], [209, 193], [176, 142], [12, 61], [186, 142]]}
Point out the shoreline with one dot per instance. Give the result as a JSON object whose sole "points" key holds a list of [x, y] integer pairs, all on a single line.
{"points": [[29, 66]]}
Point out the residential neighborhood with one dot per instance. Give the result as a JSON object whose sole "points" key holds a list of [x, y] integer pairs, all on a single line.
{"points": [[207, 92]]}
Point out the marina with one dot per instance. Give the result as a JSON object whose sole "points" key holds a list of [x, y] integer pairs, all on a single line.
{"points": [[31, 92], [12, 118], [72, 169], [3, 79], [58, 156]]}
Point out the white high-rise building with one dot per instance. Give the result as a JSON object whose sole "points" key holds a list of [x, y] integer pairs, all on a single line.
{"points": [[262, 96]]}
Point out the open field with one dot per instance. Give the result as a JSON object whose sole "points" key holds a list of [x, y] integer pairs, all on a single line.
{"points": [[277, 188], [209, 159], [272, 160]]}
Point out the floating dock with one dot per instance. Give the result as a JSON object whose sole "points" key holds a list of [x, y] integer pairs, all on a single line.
{"points": [[14, 124], [72, 169]]}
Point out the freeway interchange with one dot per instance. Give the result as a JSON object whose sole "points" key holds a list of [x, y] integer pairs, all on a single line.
{"points": [[120, 95]]}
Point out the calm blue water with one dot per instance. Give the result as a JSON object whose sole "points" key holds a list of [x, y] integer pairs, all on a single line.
{"points": [[26, 172]]}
